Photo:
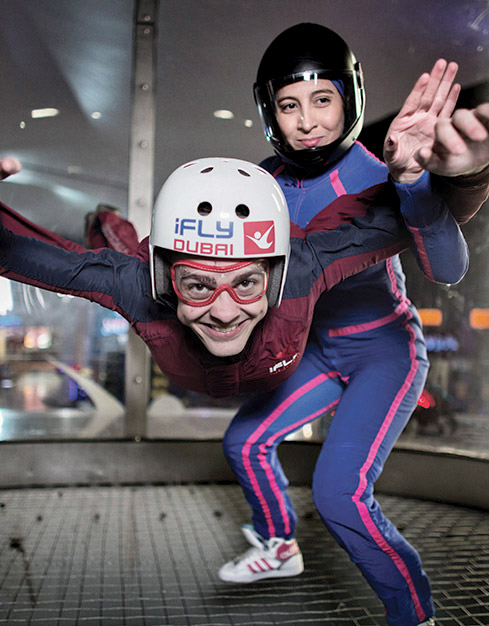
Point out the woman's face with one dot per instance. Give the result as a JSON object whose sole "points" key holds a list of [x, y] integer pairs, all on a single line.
{"points": [[310, 113]]}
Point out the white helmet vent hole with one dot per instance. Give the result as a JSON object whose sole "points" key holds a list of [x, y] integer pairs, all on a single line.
{"points": [[242, 211], [204, 208], [243, 173], [206, 170]]}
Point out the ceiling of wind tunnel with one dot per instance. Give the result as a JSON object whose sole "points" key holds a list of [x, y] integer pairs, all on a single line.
{"points": [[76, 57]]}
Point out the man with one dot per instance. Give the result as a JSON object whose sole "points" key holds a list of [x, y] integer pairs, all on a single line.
{"points": [[209, 330]]}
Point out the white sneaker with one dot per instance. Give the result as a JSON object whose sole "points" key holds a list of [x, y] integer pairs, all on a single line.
{"points": [[269, 558], [430, 622]]}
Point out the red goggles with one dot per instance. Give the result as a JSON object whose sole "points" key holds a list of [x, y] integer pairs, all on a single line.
{"points": [[197, 284]]}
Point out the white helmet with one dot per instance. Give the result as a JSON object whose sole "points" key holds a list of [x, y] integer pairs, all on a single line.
{"points": [[220, 208]]}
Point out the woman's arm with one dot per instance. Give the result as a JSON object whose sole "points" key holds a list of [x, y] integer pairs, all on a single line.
{"points": [[437, 241]]}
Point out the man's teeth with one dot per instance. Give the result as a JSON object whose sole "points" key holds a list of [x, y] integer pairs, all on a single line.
{"points": [[229, 329]]}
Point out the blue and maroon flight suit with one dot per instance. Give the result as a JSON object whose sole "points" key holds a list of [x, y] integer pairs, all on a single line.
{"points": [[366, 230], [366, 359]]}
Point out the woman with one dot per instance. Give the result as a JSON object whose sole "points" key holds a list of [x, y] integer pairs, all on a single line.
{"points": [[366, 355]]}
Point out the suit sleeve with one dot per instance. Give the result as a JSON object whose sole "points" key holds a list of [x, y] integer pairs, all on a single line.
{"points": [[370, 231], [18, 224], [464, 195], [38, 257], [437, 241]]}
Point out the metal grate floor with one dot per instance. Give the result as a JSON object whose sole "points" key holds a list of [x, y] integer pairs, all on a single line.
{"points": [[148, 556]]}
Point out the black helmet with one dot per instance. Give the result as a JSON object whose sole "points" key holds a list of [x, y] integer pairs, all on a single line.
{"points": [[309, 52]]}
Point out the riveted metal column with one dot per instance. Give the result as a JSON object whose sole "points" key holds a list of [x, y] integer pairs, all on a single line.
{"points": [[141, 174]]}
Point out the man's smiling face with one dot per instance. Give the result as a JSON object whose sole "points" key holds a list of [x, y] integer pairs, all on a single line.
{"points": [[221, 301]]}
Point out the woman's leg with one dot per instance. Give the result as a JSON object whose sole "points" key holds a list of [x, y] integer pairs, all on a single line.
{"points": [[250, 443], [386, 375]]}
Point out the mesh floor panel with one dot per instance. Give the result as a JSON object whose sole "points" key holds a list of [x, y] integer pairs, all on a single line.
{"points": [[149, 555]]}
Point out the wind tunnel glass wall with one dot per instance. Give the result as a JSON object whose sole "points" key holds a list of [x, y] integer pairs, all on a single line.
{"points": [[62, 359], [61, 366], [66, 98]]}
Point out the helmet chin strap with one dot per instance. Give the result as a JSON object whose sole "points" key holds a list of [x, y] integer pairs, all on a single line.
{"points": [[312, 161]]}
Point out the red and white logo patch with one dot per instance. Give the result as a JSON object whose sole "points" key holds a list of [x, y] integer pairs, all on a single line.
{"points": [[259, 237]]}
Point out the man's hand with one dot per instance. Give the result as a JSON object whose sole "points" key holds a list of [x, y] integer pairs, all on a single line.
{"points": [[9, 166], [414, 130]]}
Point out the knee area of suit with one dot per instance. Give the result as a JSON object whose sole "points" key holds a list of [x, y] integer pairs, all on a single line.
{"points": [[234, 443], [232, 449], [333, 507]]}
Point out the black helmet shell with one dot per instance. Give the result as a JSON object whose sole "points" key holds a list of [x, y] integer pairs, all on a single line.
{"points": [[296, 54]]}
